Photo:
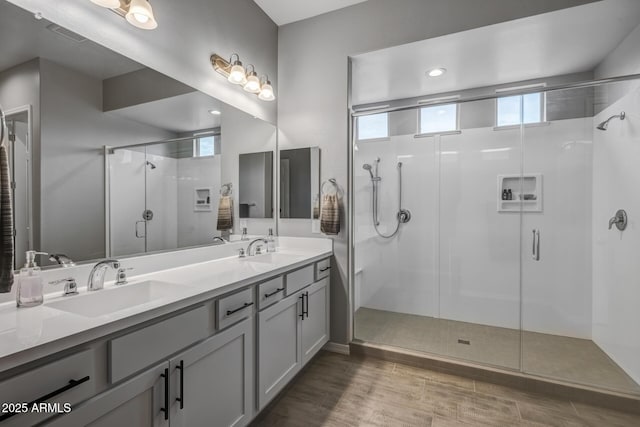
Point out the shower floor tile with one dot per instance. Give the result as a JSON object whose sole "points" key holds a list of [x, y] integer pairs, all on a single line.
{"points": [[576, 360]]}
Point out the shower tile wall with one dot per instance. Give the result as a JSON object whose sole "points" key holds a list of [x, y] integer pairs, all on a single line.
{"points": [[459, 258], [616, 180]]}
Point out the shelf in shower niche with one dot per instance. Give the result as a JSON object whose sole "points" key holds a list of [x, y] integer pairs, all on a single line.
{"points": [[202, 199], [526, 191]]}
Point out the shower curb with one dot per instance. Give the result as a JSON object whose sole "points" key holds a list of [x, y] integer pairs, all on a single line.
{"points": [[525, 382]]}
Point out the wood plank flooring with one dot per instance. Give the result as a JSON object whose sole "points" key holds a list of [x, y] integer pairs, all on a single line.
{"points": [[337, 390]]}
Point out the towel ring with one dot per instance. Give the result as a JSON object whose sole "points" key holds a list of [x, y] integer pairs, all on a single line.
{"points": [[335, 185], [226, 189]]}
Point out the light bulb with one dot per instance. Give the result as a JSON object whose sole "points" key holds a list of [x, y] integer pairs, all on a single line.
{"points": [[436, 72], [140, 15], [237, 75], [253, 83], [266, 92], [111, 4]]}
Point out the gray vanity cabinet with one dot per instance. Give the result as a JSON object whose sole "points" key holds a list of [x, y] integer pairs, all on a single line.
{"points": [[136, 402], [315, 326], [212, 382], [290, 333]]}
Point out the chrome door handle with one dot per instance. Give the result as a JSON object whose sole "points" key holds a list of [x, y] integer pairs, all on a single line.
{"points": [[535, 250], [138, 235]]}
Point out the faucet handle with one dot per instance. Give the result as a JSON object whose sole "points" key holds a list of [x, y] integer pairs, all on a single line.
{"points": [[258, 250], [121, 275], [242, 253], [70, 285]]}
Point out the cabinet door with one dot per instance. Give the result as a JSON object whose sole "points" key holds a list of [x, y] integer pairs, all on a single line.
{"points": [[212, 382], [279, 355], [138, 402], [315, 325]]}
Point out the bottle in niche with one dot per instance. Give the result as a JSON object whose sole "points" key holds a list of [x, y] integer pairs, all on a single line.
{"points": [[29, 282], [509, 195], [271, 241], [504, 194]]}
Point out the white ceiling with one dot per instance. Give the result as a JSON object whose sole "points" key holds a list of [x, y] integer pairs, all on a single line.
{"points": [[182, 113], [286, 11], [24, 38], [568, 41]]}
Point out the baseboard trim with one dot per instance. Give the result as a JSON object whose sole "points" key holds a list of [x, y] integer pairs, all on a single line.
{"points": [[560, 389], [335, 347]]}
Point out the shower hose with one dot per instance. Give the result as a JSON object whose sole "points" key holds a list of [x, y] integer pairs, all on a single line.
{"points": [[375, 205]]}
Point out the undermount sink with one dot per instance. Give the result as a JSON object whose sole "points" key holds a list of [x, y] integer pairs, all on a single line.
{"points": [[112, 300]]}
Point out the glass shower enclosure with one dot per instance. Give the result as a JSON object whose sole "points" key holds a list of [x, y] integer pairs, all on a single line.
{"points": [[514, 256]]}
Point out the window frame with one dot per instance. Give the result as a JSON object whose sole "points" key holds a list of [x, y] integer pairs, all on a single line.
{"points": [[440, 132], [543, 106], [196, 145], [382, 138]]}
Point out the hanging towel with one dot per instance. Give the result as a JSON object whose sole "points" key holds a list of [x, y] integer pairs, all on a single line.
{"points": [[330, 214], [225, 213], [6, 215]]}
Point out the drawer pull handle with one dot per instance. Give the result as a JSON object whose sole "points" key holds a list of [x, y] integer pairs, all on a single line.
{"points": [[273, 293], [166, 393], [180, 399], [322, 270], [246, 304], [69, 386]]}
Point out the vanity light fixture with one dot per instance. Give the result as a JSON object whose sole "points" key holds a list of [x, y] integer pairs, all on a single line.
{"points": [[235, 73], [137, 12], [253, 82], [266, 90], [436, 72]]}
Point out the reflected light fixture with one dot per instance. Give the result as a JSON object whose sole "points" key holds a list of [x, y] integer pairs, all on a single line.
{"points": [[215, 112], [137, 12], [253, 82], [436, 72], [266, 90], [235, 73]]}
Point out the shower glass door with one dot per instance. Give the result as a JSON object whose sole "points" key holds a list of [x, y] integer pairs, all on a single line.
{"points": [[479, 220]]}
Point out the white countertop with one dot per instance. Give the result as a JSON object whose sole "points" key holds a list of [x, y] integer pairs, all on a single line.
{"points": [[27, 334]]}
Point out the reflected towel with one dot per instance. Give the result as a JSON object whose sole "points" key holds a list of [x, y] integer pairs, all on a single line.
{"points": [[225, 213], [6, 223], [330, 214]]}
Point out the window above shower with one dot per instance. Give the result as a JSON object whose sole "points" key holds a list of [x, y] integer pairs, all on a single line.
{"points": [[372, 127], [520, 109], [439, 118]]}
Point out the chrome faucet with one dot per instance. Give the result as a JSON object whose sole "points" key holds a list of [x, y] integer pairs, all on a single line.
{"points": [[96, 277], [217, 240], [256, 242], [62, 260]]}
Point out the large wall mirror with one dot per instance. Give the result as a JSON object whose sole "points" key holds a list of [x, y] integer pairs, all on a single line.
{"points": [[111, 158], [300, 183]]}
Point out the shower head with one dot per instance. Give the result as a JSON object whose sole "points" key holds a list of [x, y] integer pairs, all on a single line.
{"points": [[368, 167], [605, 124], [151, 164]]}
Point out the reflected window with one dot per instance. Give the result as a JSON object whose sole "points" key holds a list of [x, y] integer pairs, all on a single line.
{"points": [[514, 110], [374, 126], [438, 118], [206, 146]]}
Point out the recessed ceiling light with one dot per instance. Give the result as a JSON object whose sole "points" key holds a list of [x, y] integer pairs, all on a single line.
{"points": [[436, 72], [215, 112]]}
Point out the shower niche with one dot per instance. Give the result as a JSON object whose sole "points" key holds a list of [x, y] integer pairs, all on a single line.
{"points": [[514, 190]]}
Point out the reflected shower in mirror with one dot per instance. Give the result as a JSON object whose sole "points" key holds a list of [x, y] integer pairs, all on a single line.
{"points": [[67, 98], [300, 183], [256, 185]]}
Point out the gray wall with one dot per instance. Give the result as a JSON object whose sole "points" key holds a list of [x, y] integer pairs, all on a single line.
{"points": [[74, 130], [185, 38], [316, 50], [19, 87]]}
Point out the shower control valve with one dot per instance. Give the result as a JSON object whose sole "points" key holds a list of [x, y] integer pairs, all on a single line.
{"points": [[404, 216]]}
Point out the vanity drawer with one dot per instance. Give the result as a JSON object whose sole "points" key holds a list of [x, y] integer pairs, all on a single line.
{"points": [[234, 308], [299, 279], [137, 350], [53, 378], [323, 268], [270, 292]]}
